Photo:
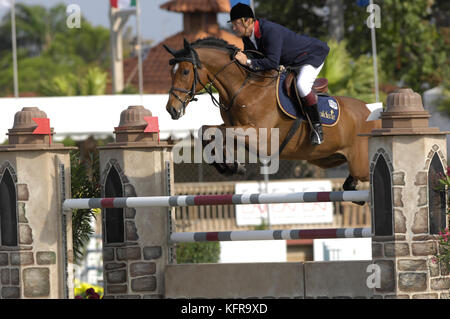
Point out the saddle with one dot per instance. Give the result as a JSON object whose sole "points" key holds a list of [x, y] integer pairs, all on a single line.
{"points": [[320, 85]]}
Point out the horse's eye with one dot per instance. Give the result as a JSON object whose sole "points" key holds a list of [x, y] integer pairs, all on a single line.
{"points": [[185, 72]]}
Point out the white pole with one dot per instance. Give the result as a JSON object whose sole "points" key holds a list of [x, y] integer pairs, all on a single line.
{"points": [[374, 55], [14, 48], [266, 184], [139, 39], [229, 199]]}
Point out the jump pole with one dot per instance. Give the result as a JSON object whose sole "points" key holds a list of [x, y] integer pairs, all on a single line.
{"points": [[230, 199], [271, 235]]}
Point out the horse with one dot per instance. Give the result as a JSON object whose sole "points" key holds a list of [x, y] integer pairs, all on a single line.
{"points": [[248, 100]]}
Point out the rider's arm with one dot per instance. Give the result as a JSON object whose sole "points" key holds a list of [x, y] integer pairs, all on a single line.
{"points": [[272, 43]]}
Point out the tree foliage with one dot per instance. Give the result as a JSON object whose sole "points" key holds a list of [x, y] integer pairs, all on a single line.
{"points": [[69, 84], [306, 17], [85, 179], [194, 253], [412, 42], [50, 53], [348, 76]]}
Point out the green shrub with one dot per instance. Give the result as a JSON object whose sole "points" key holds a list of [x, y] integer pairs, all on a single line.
{"points": [[195, 253]]}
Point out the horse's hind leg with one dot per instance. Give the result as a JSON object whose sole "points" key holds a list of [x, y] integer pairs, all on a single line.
{"points": [[350, 185]]}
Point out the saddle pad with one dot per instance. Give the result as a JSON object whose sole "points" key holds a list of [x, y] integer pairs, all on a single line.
{"points": [[328, 106]]}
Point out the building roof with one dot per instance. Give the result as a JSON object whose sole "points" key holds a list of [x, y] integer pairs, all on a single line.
{"points": [[156, 69], [197, 6]]}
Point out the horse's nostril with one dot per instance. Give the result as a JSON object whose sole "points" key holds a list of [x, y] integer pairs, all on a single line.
{"points": [[173, 112]]}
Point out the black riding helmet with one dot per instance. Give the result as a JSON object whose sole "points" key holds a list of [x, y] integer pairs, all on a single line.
{"points": [[241, 10]]}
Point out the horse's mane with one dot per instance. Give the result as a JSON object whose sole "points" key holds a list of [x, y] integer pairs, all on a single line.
{"points": [[215, 43]]}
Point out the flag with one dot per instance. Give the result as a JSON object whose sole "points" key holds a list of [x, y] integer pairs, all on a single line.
{"points": [[5, 4], [153, 126], [234, 2], [123, 4], [43, 127]]}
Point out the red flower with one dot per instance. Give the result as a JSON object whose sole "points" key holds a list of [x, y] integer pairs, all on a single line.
{"points": [[94, 296], [90, 291], [78, 297]]}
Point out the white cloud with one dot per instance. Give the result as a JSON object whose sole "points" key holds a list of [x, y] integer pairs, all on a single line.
{"points": [[4, 4]]}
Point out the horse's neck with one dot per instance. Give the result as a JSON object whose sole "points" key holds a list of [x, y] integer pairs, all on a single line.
{"points": [[223, 73]]}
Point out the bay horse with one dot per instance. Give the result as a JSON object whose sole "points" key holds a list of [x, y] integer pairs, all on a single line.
{"points": [[248, 100]]}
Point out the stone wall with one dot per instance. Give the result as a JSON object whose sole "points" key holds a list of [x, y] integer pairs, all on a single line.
{"points": [[129, 267]]}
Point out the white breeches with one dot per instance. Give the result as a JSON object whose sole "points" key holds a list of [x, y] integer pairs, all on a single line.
{"points": [[306, 77]]}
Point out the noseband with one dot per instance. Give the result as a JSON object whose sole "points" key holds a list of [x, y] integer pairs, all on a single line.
{"points": [[190, 94]]}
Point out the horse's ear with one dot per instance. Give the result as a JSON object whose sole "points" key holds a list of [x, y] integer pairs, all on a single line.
{"points": [[169, 49], [187, 45]]}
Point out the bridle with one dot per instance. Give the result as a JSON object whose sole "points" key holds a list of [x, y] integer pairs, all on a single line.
{"points": [[188, 54], [190, 94]]}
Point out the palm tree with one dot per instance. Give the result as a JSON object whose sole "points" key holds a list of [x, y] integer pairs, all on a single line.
{"points": [[36, 27], [348, 76], [93, 83]]}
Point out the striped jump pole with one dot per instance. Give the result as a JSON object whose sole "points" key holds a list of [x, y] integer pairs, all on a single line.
{"points": [[187, 237], [230, 199]]}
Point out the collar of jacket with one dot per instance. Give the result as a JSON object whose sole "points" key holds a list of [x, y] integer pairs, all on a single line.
{"points": [[256, 30]]}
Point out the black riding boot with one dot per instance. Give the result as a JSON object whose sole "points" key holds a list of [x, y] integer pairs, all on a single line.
{"points": [[316, 136]]}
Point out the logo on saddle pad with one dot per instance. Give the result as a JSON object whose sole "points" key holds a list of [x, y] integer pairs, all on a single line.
{"points": [[328, 106], [333, 104]]}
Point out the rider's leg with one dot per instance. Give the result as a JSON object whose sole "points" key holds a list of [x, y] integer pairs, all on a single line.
{"points": [[305, 80]]}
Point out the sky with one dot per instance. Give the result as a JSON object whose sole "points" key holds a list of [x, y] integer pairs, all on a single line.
{"points": [[156, 23]]}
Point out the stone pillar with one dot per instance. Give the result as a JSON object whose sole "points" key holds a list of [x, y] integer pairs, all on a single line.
{"points": [[36, 253], [135, 241], [407, 212]]}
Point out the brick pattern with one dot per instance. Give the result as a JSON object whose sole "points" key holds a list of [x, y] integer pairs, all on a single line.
{"points": [[406, 258], [24, 271], [129, 268]]}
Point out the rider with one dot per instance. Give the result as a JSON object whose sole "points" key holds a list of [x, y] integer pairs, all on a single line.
{"points": [[282, 46]]}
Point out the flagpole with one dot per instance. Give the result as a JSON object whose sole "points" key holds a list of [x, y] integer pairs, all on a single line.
{"points": [[374, 56], [252, 5], [139, 39], [14, 48]]}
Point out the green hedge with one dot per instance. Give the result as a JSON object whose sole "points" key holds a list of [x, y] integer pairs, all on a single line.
{"points": [[195, 253]]}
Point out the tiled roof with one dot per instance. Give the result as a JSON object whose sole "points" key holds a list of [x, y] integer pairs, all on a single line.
{"points": [[197, 6], [156, 69]]}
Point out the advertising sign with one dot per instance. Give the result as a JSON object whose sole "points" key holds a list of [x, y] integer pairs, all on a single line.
{"points": [[288, 213]]}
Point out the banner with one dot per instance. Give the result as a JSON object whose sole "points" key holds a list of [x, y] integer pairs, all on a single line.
{"points": [[288, 213]]}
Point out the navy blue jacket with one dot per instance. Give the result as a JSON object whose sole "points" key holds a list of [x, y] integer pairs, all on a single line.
{"points": [[282, 46]]}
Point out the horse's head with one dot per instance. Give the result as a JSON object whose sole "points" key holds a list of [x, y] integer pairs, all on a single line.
{"points": [[184, 79]]}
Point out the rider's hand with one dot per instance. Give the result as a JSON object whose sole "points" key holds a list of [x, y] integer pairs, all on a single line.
{"points": [[241, 58]]}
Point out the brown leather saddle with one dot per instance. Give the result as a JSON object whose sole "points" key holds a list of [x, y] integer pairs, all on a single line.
{"points": [[320, 86]]}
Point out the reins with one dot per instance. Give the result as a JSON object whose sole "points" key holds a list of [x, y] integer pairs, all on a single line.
{"points": [[190, 94], [193, 58]]}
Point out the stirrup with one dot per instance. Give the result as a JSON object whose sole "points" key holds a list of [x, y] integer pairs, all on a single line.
{"points": [[316, 135]]}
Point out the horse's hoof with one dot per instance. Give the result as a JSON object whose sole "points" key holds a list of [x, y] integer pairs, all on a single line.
{"points": [[359, 203], [240, 169], [221, 168]]}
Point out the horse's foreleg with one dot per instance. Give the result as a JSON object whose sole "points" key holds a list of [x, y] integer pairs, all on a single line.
{"points": [[219, 149], [350, 185], [230, 145]]}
